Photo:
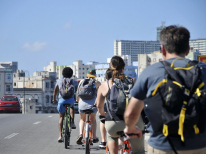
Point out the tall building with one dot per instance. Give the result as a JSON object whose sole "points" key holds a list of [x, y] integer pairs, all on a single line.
{"points": [[159, 29], [133, 48], [6, 81], [199, 44], [10, 65], [51, 67]]}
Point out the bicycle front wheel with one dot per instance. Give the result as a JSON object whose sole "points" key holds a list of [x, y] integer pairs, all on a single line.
{"points": [[66, 132], [87, 140]]}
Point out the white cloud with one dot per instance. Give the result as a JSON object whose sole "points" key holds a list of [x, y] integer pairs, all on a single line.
{"points": [[67, 25], [37, 46]]}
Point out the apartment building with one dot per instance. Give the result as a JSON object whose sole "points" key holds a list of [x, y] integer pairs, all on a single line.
{"points": [[199, 44], [39, 86], [78, 67], [133, 48], [6, 80]]}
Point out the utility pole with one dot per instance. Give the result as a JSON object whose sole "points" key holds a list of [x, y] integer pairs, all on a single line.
{"points": [[24, 91]]}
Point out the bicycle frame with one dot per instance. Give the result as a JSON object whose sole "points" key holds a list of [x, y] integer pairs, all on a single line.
{"points": [[88, 122], [67, 115]]}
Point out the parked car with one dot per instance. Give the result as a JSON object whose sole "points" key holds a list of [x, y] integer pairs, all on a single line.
{"points": [[9, 104]]}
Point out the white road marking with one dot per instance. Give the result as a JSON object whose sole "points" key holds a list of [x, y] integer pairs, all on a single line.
{"points": [[12, 135], [50, 116], [37, 122]]}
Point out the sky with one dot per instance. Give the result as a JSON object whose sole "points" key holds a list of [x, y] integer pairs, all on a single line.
{"points": [[35, 32]]}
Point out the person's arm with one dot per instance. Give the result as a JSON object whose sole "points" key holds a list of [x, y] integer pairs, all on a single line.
{"points": [[100, 101], [56, 90], [131, 117]]}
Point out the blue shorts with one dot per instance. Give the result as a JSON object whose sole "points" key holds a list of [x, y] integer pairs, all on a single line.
{"points": [[94, 110], [61, 108]]}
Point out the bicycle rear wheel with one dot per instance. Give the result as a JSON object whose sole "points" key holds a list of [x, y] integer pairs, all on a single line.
{"points": [[69, 129], [66, 132], [87, 151]]}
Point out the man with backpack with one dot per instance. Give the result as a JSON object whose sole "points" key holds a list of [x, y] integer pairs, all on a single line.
{"points": [[66, 89], [173, 95], [86, 97]]}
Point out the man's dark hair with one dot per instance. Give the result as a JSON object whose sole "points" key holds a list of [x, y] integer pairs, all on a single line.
{"points": [[108, 74], [67, 72], [175, 39]]}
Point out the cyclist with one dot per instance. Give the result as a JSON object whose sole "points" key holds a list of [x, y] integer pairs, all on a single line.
{"points": [[112, 127], [67, 73], [103, 132], [174, 44], [88, 104]]}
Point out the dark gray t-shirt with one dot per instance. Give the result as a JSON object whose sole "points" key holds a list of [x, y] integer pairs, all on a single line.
{"points": [[143, 87]]}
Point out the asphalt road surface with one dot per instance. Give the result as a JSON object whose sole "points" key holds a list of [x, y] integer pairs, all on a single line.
{"points": [[38, 134]]}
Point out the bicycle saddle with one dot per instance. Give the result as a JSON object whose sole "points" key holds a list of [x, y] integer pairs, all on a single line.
{"points": [[88, 111], [66, 105]]}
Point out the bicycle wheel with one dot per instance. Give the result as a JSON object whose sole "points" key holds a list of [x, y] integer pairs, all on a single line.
{"points": [[87, 151], [69, 129], [66, 132]]}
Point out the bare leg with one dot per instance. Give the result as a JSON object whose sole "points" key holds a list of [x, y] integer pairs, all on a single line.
{"points": [[121, 144], [81, 122], [113, 147], [72, 114], [103, 132], [94, 124], [61, 117]]}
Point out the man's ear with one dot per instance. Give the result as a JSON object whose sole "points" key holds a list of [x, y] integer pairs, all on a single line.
{"points": [[163, 51]]}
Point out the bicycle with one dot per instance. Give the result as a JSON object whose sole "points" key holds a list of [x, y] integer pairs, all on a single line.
{"points": [[66, 129], [87, 135], [126, 148]]}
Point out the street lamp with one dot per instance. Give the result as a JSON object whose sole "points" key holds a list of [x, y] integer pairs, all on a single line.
{"points": [[24, 90]]}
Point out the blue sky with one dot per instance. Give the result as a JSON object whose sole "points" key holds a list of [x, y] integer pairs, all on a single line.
{"points": [[35, 32]]}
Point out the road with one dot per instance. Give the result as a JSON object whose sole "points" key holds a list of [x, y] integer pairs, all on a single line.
{"points": [[37, 133]]}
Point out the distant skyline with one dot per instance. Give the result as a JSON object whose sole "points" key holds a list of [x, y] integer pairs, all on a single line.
{"points": [[35, 32]]}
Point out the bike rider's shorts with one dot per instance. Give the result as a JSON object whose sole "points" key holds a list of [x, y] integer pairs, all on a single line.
{"points": [[61, 108]]}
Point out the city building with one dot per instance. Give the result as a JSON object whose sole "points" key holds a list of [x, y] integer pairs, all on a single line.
{"points": [[199, 44], [51, 67], [101, 68], [6, 81], [126, 58], [193, 54], [10, 65], [39, 86], [79, 69], [133, 48], [159, 29]]}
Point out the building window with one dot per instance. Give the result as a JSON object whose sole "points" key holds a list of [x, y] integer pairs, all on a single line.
{"points": [[47, 84], [51, 99], [52, 84], [83, 68], [8, 88], [47, 98], [14, 75], [79, 68], [14, 83]]}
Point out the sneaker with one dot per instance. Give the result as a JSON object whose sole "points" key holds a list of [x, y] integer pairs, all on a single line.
{"points": [[60, 139], [73, 126], [102, 145], [95, 140], [79, 140]]}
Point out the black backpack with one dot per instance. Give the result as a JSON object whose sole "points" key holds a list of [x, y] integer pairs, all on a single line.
{"points": [[177, 106], [119, 96], [87, 89], [67, 89]]}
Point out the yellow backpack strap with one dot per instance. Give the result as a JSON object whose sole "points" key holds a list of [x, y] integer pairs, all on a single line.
{"points": [[181, 122], [172, 65], [127, 100], [159, 84], [165, 130]]}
